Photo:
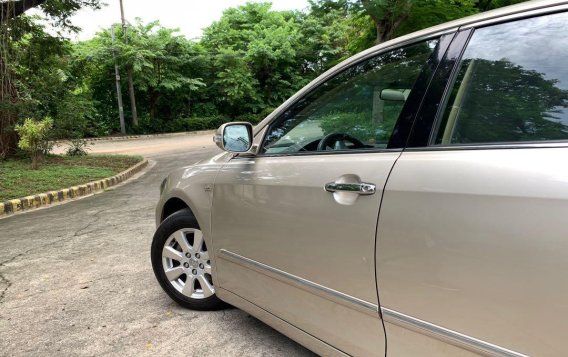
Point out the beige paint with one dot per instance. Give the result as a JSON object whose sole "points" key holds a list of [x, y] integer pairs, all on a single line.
{"points": [[476, 241], [275, 210], [403, 342]]}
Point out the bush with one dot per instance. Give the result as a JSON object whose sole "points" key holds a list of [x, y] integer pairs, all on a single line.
{"points": [[77, 147], [75, 117], [255, 118], [33, 137], [204, 123], [150, 126], [147, 126]]}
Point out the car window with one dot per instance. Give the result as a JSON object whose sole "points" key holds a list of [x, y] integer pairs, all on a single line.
{"points": [[511, 86], [355, 110]]}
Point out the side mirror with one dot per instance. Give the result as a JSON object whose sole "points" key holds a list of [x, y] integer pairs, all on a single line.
{"points": [[234, 137]]}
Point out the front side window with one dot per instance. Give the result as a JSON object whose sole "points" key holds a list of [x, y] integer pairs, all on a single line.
{"points": [[511, 85], [355, 110]]}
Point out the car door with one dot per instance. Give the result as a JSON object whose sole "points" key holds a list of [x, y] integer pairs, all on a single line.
{"points": [[472, 241], [294, 226]]}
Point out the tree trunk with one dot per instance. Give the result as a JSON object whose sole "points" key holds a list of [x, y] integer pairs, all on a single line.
{"points": [[11, 9], [387, 17], [382, 33], [154, 95], [8, 112], [484, 5], [132, 97], [8, 137], [35, 160], [387, 27]]}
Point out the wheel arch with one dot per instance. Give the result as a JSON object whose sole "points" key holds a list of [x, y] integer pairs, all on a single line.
{"points": [[173, 205]]}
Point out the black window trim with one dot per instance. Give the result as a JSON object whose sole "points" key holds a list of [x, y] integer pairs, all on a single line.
{"points": [[437, 35], [425, 119]]}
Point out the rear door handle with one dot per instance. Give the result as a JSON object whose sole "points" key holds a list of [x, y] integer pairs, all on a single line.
{"points": [[361, 188]]}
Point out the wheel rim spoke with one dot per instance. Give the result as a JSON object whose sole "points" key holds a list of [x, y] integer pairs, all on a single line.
{"points": [[197, 241], [171, 253], [207, 269], [174, 273], [204, 256], [189, 287], [179, 236], [207, 288]]}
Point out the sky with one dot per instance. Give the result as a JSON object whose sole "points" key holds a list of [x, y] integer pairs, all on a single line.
{"points": [[190, 16]]}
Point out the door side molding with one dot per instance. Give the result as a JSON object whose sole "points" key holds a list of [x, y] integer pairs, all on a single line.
{"points": [[453, 337], [309, 286]]}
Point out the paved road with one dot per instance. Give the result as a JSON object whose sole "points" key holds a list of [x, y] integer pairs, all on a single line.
{"points": [[149, 146], [75, 279]]}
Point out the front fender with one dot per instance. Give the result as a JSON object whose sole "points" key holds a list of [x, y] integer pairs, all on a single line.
{"points": [[194, 186]]}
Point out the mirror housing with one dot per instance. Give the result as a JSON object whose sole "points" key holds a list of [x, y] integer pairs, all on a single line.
{"points": [[395, 95], [235, 137]]}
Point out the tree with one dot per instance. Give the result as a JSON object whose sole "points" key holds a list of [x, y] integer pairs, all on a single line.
{"points": [[13, 31], [426, 13], [11, 9], [485, 5], [506, 102], [393, 18], [387, 16], [33, 135], [32, 78], [265, 68], [159, 58], [59, 11]]}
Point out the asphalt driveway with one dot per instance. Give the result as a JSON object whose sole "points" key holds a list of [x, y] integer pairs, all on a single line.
{"points": [[76, 279]]}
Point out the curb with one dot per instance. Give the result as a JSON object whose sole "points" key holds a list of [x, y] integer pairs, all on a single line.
{"points": [[142, 136], [45, 199]]}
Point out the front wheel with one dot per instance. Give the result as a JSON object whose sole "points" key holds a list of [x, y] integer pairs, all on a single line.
{"points": [[182, 263]]}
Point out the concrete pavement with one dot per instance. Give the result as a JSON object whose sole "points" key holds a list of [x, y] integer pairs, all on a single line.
{"points": [[76, 279]]}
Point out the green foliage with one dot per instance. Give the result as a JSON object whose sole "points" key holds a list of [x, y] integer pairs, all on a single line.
{"points": [[59, 12], [76, 116], [361, 124], [426, 13], [57, 172], [255, 58], [148, 125], [162, 63], [358, 125], [33, 134], [381, 20], [77, 147], [248, 62], [523, 105], [484, 5]]}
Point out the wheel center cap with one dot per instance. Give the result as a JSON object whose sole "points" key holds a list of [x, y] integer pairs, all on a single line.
{"points": [[193, 263]]}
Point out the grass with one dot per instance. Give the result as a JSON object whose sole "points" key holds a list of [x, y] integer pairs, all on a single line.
{"points": [[17, 179]]}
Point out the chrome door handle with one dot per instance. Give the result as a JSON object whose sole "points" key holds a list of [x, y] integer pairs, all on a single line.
{"points": [[361, 188]]}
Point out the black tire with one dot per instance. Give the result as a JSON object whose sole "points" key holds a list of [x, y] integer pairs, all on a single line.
{"points": [[179, 220]]}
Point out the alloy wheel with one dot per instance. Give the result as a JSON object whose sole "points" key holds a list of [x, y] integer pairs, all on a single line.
{"points": [[187, 265]]}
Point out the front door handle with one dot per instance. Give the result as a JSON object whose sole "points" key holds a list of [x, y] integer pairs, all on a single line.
{"points": [[361, 188]]}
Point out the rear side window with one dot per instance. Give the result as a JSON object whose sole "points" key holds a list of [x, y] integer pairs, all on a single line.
{"points": [[511, 85]]}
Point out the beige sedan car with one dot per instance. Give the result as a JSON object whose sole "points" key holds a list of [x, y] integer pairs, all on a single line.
{"points": [[414, 196]]}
